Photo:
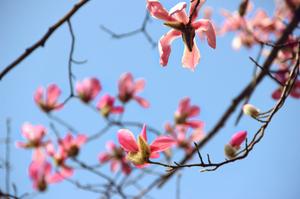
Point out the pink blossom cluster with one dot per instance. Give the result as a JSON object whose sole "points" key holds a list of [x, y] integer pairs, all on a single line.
{"points": [[41, 170]]}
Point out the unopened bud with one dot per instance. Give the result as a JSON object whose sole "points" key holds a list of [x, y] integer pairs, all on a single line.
{"points": [[230, 151], [251, 110]]}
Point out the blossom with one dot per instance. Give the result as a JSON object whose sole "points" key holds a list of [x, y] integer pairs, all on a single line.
{"points": [[72, 145], [182, 26], [283, 77], [139, 152], [41, 174], [185, 111], [116, 155], [106, 106], [186, 142], [234, 144], [128, 89], [88, 89], [47, 100], [34, 136], [60, 156]]}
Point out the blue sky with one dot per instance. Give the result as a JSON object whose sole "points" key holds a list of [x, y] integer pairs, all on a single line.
{"points": [[271, 170]]}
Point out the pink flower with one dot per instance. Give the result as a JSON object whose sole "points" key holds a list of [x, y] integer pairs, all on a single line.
{"points": [[178, 20], [128, 89], [139, 152], [234, 144], [33, 134], [106, 106], [187, 142], [48, 101], [60, 156], [237, 139], [186, 111], [40, 173], [116, 155], [72, 145], [88, 89]]}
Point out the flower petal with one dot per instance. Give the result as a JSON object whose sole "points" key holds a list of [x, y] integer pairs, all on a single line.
{"points": [[161, 144], [192, 8], [53, 92], [191, 59], [164, 45], [104, 157], [205, 25], [158, 11], [144, 103], [178, 12], [127, 140]]}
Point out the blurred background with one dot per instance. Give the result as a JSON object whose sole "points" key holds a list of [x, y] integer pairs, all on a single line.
{"points": [[271, 170]]}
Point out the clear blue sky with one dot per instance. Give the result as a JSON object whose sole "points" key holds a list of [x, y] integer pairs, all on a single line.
{"points": [[270, 171]]}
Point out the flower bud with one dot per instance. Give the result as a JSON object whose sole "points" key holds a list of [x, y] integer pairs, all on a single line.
{"points": [[229, 151], [251, 110]]}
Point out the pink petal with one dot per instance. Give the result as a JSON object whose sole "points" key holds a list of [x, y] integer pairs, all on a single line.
{"points": [[197, 135], [66, 171], [38, 155], [126, 84], [183, 106], [141, 166], [205, 25], [95, 87], [194, 111], [114, 166], [238, 138], [193, 4], [127, 140], [191, 59], [144, 103], [53, 92], [80, 140], [55, 178], [144, 133], [21, 144], [38, 95], [126, 168], [162, 143], [139, 85], [104, 157], [158, 11], [154, 155], [178, 12], [164, 45], [276, 94], [106, 100], [195, 124], [110, 146], [117, 110]]}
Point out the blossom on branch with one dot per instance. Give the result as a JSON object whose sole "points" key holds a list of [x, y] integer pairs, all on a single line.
{"points": [[185, 27], [106, 106], [41, 174], [186, 111], [128, 89], [116, 155], [47, 100], [72, 145], [139, 152], [88, 89]]}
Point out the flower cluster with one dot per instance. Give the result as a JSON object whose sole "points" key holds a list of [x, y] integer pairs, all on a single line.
{"points": [[40, 170]]}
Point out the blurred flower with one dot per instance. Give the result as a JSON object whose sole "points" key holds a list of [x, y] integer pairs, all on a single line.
{"points": [[40, 173], [60, 156], [34, 136], [116, 155], [139, 152], [88, 89], [72, 145], [128, 89], [106, 106], [47, 101], [185, 111], [178, 20], [187, 142]]}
